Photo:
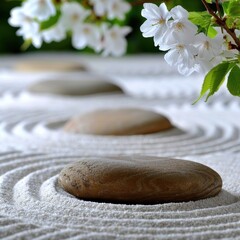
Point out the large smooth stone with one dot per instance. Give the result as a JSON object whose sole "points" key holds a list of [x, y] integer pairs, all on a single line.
{"points": [[48, 66], [118, 122], [87, 86], [139, 180]]}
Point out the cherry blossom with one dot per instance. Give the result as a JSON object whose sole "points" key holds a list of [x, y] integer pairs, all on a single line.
{"points": [[208, 48], [156, 23], [56, 33], [180, 27], [87, 35], [40, 9], [100, 6], [118, 9], [29, 29], [183, 56], [188, 50], [19, 18], [111, 8], [114, 42], [73, 15], [81, 21]]}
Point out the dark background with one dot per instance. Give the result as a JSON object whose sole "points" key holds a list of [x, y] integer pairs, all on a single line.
{"points": [[10, 43]]}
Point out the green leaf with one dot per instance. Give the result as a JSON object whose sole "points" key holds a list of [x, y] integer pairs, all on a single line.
{"points": [[225, 6], [234, 8], [233, 22], [209, 1], [203, 21], [50, 22], [234, 81], [212, 33], [214, 79]]}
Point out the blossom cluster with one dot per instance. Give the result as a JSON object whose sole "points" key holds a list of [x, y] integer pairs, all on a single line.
{"points": [[90, 23], [188, 50]]}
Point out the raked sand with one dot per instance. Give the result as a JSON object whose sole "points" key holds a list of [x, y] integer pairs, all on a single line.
{"points": [[34, 148]]}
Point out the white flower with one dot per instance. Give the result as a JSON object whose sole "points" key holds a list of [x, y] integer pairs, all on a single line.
{"points": [[87, 35], [75, 20], [183, 56], [111, 8], [39, 9], [100, 6], [211, 52], [73, 15], [56, 33], [208, 48], [180, 28], [179, 13], [34, 35], [18, 18], [156, 23], [117, 9], [29, 29], [114, 42], [180, 25]]}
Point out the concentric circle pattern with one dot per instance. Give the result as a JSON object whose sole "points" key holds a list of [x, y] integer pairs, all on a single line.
{"points": [[33, 205], [34, 148], [199, 130]]}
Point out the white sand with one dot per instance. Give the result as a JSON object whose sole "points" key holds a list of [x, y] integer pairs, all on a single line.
{"points": [[34, 150]]}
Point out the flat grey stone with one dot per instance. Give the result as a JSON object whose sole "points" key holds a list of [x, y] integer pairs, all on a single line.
{"points": [[139, 180], [86, 85], [118, 122], [34, 65]]}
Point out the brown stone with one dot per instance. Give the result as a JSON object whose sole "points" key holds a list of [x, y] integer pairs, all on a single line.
{"points": [[81, 87], [118, 122], [48, 66], [139, 180]]}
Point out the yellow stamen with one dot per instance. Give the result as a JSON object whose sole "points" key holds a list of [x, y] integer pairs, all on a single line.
{"points": [[179, 26], [161, 21], [207, 45]]}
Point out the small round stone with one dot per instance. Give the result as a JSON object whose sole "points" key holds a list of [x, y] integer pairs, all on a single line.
{"points": [[86, 86], [139, 180], [118, 122], [48, 66]]}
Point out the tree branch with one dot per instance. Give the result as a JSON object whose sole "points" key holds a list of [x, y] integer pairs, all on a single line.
{"points": [[218, 9], [222, 23]]}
